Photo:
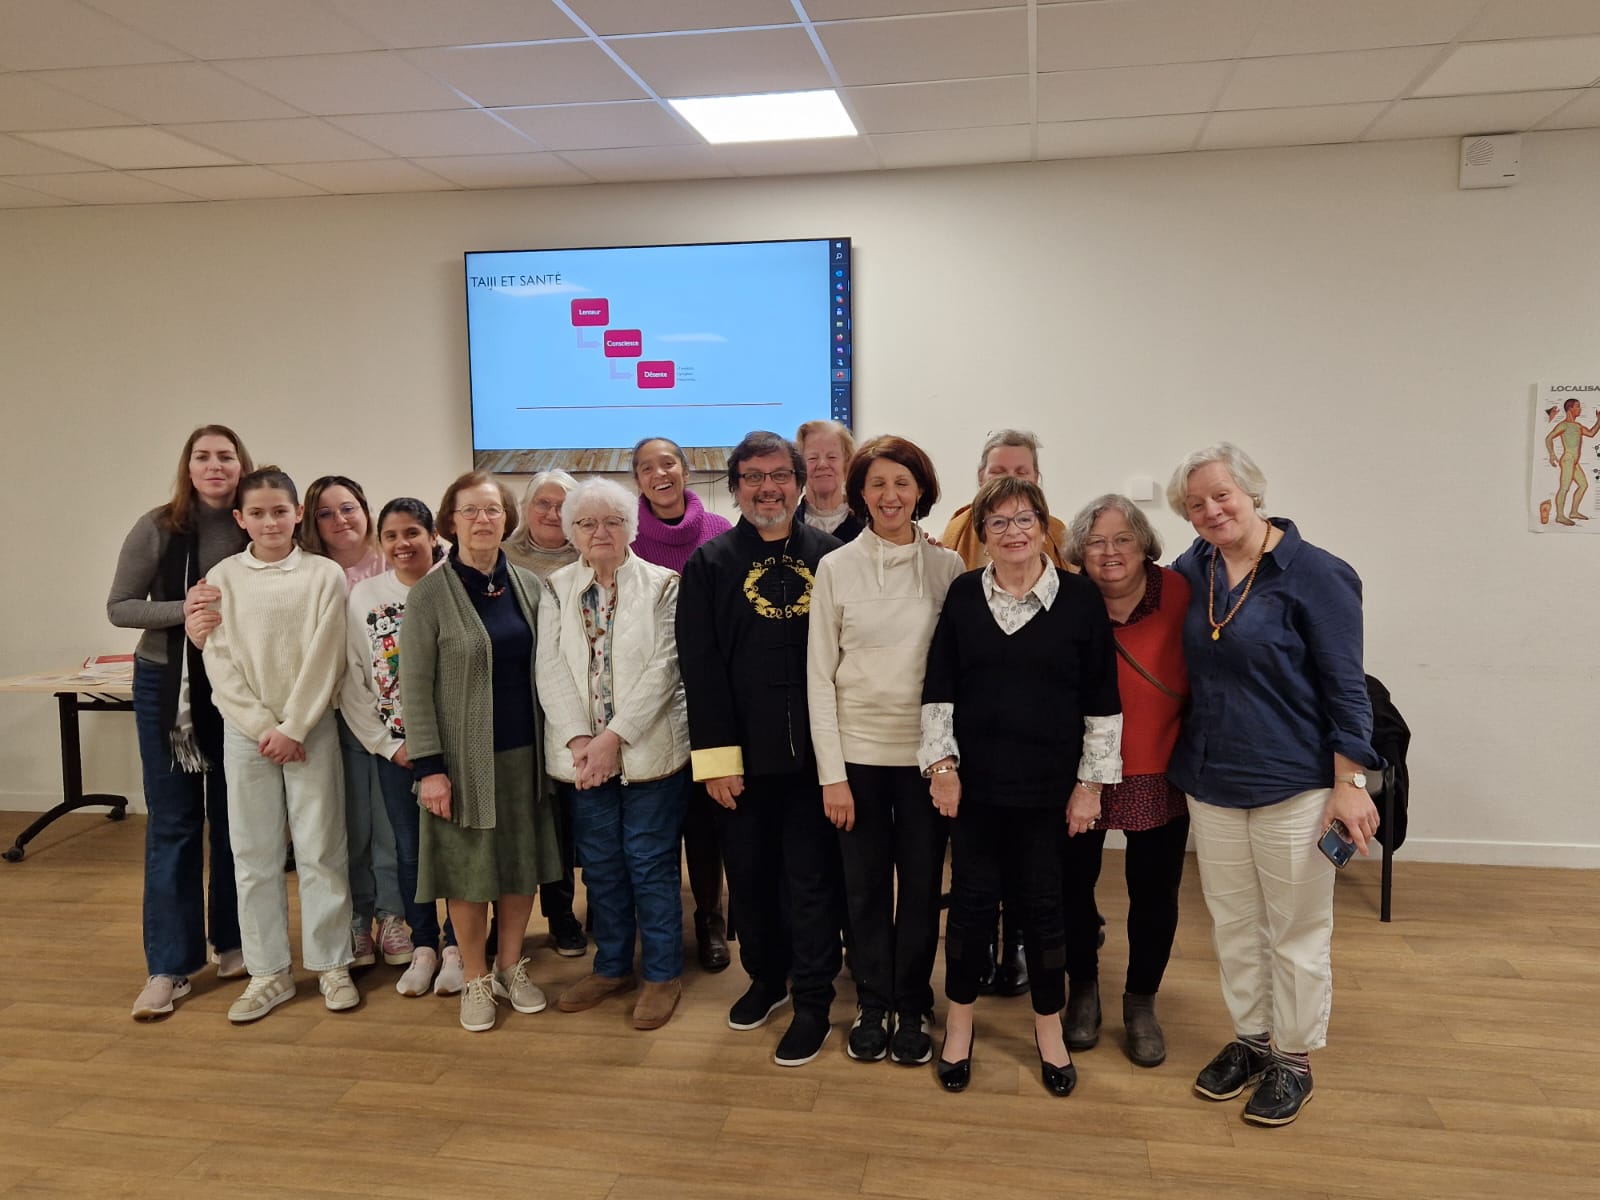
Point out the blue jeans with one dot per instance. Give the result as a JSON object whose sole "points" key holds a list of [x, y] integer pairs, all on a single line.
{"points": [[401, 804], [178, 805], [374, 874], [627, 841]]}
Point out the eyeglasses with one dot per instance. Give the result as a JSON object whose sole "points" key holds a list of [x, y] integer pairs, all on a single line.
{"points": [[755, 478], [472, 512], [1123, 543], [609, 524], [546, 506], [1024, 520], [347, 511]]}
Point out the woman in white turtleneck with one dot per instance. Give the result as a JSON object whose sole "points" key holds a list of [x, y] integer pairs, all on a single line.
{"points": [[873, 610]]}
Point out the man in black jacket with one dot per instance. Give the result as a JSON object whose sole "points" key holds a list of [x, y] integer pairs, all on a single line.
{"points": [[743, 615]]}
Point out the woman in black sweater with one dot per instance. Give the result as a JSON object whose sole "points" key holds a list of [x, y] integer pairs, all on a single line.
{"points": [[1021, 686]]}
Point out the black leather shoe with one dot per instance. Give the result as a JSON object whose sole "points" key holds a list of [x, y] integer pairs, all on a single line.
{"points": [[1081, 1024], [1011, 977], [1279, 1097], [1058, 1081], [711, 943], [990, 976], [1147, 1045], [1235, 1068], [954, 1076]]}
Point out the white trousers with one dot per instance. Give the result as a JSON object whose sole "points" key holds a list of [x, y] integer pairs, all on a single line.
{"points": [[1270, 894], [305, 801]]}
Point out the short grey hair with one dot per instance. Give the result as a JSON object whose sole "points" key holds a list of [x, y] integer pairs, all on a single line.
{"points": [[1079, 528], [560, 478], [1008, 437], [1234, 460], [603, 497]]}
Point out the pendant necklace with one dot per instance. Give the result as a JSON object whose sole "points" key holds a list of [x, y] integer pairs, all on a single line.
{"points": [[1211, 589]]}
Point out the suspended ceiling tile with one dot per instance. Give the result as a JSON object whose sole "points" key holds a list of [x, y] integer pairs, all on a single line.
{"points": [[296, 139], [163, 93], [1314, 26], [1581, 113], [230, 183], [1536, 18], [342, 84], [916, 49], [810, 157], [945, 104], [1301, 80], [504, 170], [1459, 116], [718, 64], [27, 103], [551, 73], [955, 147], [241, 28], [600, 126], [837, 10], [16, 197], [1130, 91], [1119, 136], [1129, 33], [357, 178], [663, 16], [103, 187], [413, 135], [403, 24], [649, 162], [18, 157], [37, 35], [129, 147], [1515, 67], [1287, 126]]}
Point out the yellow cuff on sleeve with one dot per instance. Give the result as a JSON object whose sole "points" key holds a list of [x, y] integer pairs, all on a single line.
{"points": [[717, 762]]}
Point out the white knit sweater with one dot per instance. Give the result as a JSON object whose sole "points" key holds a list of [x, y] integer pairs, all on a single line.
{"points": [[873, 610], [279, 653]]}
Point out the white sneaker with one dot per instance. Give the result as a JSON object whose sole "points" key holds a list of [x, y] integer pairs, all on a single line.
{"points": [[338, 989], [230, 964], [416, 978], [264, 994], [159, 993], [452, 975]]}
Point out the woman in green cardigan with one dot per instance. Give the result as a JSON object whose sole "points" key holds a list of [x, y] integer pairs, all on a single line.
{"points": [[473, 733]]}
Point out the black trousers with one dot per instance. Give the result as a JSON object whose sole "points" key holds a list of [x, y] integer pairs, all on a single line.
{"points": [[898, 835], [781, 854], [1154, 869], [555, 899], [702, 851], [1012, 854]]}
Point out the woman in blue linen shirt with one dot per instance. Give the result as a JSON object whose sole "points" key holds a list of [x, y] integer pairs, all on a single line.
{"points": [[1272, 752]]}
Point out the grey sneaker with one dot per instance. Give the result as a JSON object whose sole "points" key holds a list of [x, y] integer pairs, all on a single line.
{"points": [[263, 994], [477, 1004], [338, 989], [159, 993], [516, 987]]}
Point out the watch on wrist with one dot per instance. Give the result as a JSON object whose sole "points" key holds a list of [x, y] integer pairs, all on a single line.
{"points": [[1358, 778]]}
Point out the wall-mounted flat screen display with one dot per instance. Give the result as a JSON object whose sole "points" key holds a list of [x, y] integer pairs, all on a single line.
{"points": [[576, 354]]}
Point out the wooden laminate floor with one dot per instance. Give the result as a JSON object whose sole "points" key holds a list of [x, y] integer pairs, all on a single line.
{"points": [[1462, 1062]]}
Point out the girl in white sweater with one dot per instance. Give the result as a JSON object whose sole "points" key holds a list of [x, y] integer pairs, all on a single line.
{"points": [[274, 662]]}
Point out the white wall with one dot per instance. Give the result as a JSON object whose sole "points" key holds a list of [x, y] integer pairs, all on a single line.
{"points": [[1368, 331]]}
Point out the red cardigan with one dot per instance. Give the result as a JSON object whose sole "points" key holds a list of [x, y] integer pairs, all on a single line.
{"points": [[1150, 718]]}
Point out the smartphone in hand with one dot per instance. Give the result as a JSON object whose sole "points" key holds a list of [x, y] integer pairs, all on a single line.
{"points": [[1336, 845]]}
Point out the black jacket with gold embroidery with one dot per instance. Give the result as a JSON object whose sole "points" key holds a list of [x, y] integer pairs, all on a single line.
{"points": [[744, 611]]}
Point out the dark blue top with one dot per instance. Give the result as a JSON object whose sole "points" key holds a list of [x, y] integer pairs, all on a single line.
{"points": [[511, 650], [1282, 690]]}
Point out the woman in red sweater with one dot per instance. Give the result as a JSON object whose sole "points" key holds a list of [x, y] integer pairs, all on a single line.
{"points": [[1116, 547]]}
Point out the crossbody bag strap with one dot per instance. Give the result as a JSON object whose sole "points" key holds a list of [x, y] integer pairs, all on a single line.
{"points": [[1139, 667]]}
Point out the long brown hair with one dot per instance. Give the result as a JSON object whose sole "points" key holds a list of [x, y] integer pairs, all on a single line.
{"points": [[178, 514]]}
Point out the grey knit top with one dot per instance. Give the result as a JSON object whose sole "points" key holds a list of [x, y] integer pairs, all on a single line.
{"points": [[134, 602]]}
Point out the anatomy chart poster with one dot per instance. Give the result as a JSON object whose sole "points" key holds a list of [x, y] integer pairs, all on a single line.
{"points": [[1565, 448]]}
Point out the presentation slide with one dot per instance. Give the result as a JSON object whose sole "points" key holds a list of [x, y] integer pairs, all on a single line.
{"points": [[579, 349]]}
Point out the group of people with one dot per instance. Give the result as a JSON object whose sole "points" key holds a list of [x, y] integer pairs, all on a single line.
{"points": [[820, 701]]}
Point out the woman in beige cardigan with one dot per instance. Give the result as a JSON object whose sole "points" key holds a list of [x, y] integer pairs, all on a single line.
{"points": [[473, 735]]}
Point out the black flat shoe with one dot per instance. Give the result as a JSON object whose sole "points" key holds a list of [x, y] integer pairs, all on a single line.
{"points": [[1058, 1081], [954, 1076]]}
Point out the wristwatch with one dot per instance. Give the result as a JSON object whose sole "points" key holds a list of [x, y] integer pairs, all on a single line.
{"points": [[1359, 779]]}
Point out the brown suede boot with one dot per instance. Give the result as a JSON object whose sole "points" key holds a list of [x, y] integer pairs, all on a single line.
{"points": [[656, 1004], [592, 989], [1147, 1046]]}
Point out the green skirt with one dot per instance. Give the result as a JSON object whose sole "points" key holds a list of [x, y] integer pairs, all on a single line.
{"points": [[512, 859]]}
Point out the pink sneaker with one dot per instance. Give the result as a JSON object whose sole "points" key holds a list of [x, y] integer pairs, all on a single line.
{"points": [[361, 939], [394, 939]]}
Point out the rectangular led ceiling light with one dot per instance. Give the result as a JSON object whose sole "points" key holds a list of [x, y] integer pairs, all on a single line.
{"points": [[772, 117]]}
